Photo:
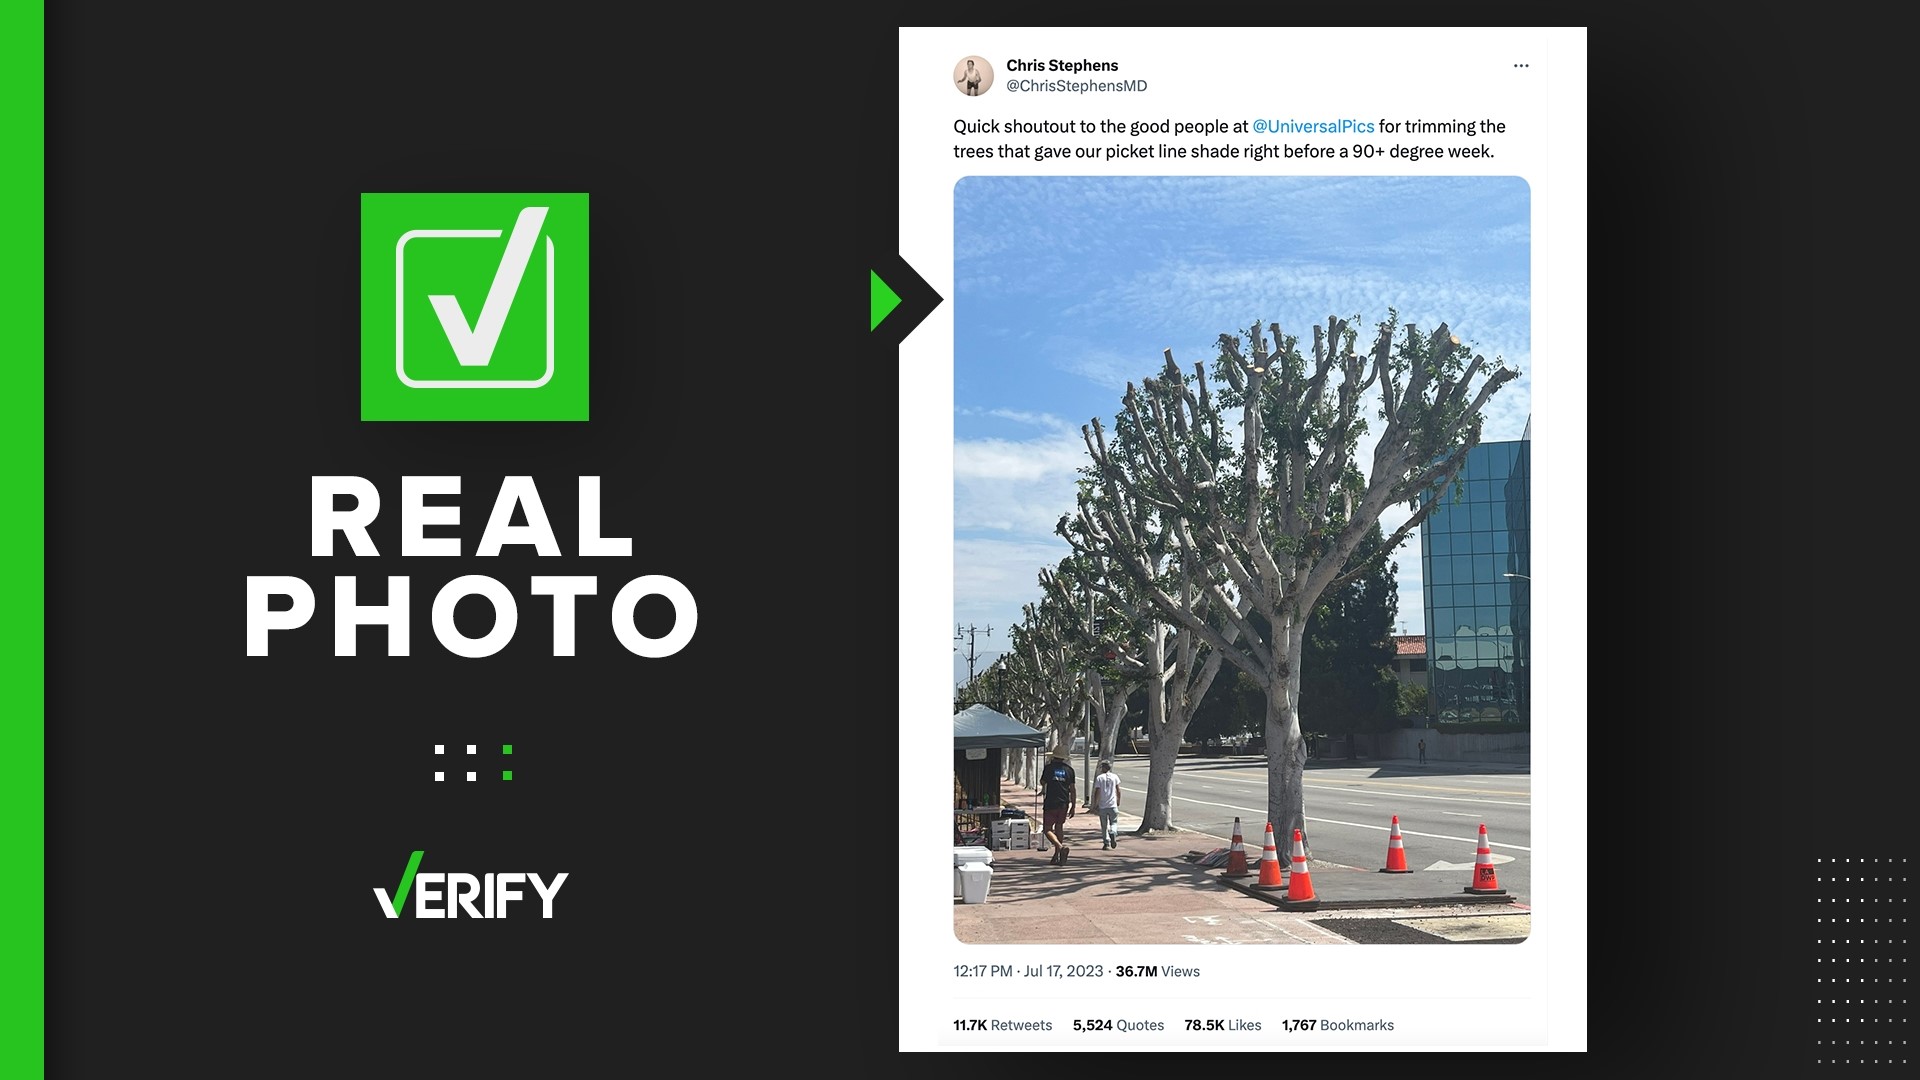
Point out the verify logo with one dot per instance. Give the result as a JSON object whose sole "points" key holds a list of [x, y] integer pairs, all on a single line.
{"points": [[473, 307], [480, 896]]}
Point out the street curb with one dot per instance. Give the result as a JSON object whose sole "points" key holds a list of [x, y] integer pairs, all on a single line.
{"points": [[1371, 902]]}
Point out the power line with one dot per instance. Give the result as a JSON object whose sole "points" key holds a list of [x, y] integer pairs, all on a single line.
{"points": [[966, 634]]}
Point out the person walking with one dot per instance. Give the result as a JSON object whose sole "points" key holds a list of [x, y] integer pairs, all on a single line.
{"points": [[1423, 751], [1106, 800], [1057, 804]]}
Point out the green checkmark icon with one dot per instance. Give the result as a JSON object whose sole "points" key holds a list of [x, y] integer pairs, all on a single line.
{"points": [[474, 306], [406, 883]]}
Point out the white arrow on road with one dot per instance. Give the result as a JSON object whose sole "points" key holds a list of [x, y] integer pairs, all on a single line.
{"points": [[1467, 865]]}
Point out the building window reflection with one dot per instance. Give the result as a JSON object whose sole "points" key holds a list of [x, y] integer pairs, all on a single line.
{"points": [[1475, 554]]}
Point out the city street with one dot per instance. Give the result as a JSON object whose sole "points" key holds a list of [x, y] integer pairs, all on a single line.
{"points": [[1350, 808]]}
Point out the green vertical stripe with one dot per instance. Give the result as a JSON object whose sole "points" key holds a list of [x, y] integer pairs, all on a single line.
{"points": [[406, 882], [22, 542]]}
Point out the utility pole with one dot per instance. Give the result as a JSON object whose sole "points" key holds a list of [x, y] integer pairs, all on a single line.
{"points": [[966, 634], [1086, 710]]}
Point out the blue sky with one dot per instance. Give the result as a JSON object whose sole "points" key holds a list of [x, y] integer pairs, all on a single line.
{"points": [[1066, 288]]}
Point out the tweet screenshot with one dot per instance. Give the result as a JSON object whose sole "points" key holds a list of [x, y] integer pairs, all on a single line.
{"points": [[1250, 413]]}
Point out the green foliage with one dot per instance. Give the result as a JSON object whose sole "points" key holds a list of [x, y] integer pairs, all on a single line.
{"points": [[1347, 682], [1414, 702], [1442, 361], [1232, 707], [994, 687]]}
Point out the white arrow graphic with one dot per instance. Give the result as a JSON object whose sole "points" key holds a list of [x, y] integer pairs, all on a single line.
{"points": [[1468, 865]]}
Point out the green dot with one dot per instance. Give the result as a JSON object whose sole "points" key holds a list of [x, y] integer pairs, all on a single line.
{"points": [[506, 748], [506, 774]]}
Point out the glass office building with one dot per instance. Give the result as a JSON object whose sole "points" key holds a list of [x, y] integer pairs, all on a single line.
{"points": [[1476, 574]]}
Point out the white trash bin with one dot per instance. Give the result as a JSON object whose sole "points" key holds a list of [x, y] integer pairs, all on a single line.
{"points": [[969, 856], [975, 878]]}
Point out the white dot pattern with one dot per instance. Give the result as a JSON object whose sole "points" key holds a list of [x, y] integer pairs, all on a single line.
{"points": [[1860, 993]]}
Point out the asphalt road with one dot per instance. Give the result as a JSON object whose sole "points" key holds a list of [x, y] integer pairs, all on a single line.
{"points": [[1350, 809]]}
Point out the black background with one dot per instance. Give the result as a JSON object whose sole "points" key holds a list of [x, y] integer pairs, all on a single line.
{"points": [[1744, 398], [217, 822]]}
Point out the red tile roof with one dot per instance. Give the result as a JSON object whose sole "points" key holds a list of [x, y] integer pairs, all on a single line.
{"points": [[1409, 645]]}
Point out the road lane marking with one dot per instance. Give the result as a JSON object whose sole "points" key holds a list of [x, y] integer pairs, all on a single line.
{"points": [[1400, 791], [1474, 840]]}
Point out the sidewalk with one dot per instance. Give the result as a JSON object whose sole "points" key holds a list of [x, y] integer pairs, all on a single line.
{"points": [[1146, 891]]}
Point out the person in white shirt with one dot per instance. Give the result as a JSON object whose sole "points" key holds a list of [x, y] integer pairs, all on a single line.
{"points": [[1106, 800]]}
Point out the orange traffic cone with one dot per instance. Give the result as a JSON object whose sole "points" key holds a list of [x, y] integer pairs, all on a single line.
{"points": [[1270, 862], [1299, 884], [1396, 852], [1237, 856], [1485, 882]]}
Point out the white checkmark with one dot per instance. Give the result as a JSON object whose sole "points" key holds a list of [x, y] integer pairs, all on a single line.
{"points": [[473, 346]]}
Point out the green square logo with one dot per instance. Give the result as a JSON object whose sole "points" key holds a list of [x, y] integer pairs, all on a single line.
{"points": [[473, 307]]}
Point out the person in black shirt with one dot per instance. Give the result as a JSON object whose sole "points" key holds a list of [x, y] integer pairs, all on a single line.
{"points": [[1057, 805]]}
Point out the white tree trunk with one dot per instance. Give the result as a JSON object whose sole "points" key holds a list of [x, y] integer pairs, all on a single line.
{"points": [[1286, 755], [1110, 729], [1061, 743], [1161, 750]]}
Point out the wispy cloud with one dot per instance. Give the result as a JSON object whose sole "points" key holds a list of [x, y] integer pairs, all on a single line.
{"points": [[1045, 421], [1016, 487], [994, 579], [995, 460]]}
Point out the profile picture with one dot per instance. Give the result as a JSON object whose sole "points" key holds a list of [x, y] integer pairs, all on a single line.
{"points": [[973, 76]]}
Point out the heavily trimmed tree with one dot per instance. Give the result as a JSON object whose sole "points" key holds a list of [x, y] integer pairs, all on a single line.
{"points": [[1277, 519], [1036, 692], [1107, 658], [1175, 664], [1052, 672]]}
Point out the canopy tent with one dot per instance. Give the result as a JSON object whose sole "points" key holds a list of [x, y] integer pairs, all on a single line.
{"points": [[977, 726]]}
